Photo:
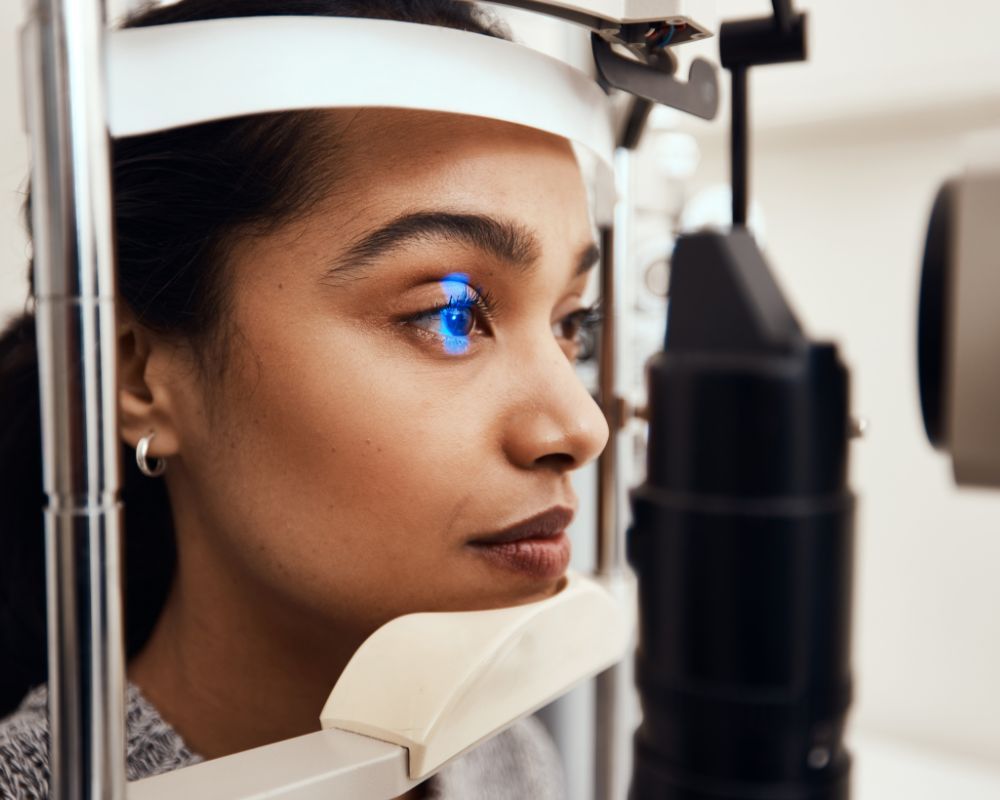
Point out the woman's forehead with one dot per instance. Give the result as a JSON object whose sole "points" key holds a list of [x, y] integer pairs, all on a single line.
{"points": [[417, 179], [394, 162], [389, 134]]}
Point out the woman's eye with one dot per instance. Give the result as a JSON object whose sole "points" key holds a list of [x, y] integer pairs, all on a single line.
{"points": [[453, 325], [459, 318], [457, 321], [579, 331]]}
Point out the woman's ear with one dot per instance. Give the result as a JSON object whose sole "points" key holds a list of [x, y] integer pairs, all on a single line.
{"points": [[148, 369]]}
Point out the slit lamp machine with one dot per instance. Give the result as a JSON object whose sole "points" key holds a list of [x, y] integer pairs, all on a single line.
{"points": [[736, 570]]}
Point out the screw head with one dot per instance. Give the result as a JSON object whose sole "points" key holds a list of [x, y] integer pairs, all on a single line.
{"points": [[818, 758]]}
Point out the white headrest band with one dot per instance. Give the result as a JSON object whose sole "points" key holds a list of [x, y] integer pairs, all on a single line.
{"points": [[168, 76]]}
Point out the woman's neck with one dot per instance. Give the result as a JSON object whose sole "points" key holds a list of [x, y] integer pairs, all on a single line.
{"points": [[233, 664], [227, 683], [230, 672]]}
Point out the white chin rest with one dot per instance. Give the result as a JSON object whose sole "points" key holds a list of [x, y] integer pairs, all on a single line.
{"points": [[440, 683]]}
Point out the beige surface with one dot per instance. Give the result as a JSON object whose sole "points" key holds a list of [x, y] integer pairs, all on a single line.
{"points": [[439, 683], [887, 769]]}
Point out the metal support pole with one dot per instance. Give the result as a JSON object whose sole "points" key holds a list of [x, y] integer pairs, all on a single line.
{"points": [[74, 305], [612, 732], [610, 551], [739, 160]]}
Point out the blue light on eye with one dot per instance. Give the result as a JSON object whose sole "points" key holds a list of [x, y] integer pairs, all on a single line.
{"points": [[458, 318], [455, 286], [456, 321]]}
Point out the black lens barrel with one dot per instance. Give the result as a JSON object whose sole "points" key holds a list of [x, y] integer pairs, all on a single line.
{"points": [[742, 540]]}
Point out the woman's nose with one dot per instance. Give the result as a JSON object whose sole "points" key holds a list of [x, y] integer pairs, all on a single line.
{"points": [[554, 422]]}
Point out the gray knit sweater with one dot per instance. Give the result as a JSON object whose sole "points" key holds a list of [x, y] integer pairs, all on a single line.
{"points": [[519, 764]]}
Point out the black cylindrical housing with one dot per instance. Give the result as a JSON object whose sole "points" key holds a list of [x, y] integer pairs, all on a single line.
{"points": [[742, 541], [755, 426]]}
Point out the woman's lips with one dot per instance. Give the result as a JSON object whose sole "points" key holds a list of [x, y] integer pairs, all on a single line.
{"points": [[539, 558], [537, 546]]}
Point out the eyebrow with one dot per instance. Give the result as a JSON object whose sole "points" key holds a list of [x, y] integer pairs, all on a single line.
{"points": [[503, 239]]}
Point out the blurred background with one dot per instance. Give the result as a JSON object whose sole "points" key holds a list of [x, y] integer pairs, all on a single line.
{"points": [[848, 151]]}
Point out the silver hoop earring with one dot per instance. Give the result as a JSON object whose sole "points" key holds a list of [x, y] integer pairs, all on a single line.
{"points": [[159, 465]]}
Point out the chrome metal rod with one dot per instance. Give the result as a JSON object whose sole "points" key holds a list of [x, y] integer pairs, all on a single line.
{"points": [[609, 548], [614, 242], [74, 303], [606, 731], [614, 726], [611, 712]]}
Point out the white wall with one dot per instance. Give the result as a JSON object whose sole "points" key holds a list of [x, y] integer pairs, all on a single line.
{"points": [[846, 212], [845, 183], [13, 168]]}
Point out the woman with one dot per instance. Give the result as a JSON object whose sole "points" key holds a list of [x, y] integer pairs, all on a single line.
{"points": [[349, 337]]}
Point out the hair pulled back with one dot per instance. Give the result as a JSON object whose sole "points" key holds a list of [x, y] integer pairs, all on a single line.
{"points": [[180, 198]]}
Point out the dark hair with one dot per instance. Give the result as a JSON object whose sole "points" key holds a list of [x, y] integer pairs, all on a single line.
{"points": [[180, 198]]}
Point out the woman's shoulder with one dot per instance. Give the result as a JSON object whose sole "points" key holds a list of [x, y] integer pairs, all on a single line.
{"points": [[153, 746], [24, 749], [520, 762]]}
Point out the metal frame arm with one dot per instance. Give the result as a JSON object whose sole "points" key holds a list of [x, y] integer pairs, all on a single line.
{"points": [[74, 304], [783, 14], [749, 43], [597, 15], [699, 96]]}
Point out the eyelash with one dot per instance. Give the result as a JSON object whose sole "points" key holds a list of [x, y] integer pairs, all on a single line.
{"points": [[585, 320]]}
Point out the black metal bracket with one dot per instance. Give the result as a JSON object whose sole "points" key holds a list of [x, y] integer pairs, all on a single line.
{"points": [[747, 43], [699, 96]]}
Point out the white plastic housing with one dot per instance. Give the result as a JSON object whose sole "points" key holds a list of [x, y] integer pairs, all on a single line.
{"points": [[637, 10], [440, 683], [973, 381], [253, 65], [420, 691]]}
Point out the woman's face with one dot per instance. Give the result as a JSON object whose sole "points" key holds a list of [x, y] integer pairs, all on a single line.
{"points": [[401, 383]]}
